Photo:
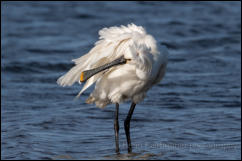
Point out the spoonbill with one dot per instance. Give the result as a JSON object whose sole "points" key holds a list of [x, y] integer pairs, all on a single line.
{"points": [[124, 64]]}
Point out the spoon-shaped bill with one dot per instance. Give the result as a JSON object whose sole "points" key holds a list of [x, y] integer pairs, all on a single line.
{"points": [[85, 75]]}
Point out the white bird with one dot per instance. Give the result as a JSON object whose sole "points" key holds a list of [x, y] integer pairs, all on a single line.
{"points": [[125, 63]]}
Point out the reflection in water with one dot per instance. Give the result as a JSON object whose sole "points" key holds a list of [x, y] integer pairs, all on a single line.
{"points": [[132, 156]]}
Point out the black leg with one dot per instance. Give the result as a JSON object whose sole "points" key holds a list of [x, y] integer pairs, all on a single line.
{"points": [[127, 126], [116, 128]]}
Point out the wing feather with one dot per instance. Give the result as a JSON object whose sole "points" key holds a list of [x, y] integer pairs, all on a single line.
{"points": [[112, 44]]}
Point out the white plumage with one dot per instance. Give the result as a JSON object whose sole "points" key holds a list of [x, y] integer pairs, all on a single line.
{"points": [[120, 83]]}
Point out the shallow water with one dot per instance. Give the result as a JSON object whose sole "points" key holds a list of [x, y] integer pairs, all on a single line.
{"points": [[194, 113]]}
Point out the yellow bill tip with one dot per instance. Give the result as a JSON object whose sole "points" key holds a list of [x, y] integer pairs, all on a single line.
{"points": [[82, 77]]}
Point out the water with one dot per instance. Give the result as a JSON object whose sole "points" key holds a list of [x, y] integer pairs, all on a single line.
{"points": [[194, 113]]}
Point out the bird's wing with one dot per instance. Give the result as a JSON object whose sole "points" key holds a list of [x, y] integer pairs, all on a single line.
{"points": [[112, 44], [159, 67], [94, 78], [85, 62]]}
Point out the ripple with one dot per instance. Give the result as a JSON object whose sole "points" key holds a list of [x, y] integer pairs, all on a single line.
{"points": [[198, 103], [49, 51], [35, 67], [85, 16]]}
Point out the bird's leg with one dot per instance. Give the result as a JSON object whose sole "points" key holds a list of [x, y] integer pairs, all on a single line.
{"points": [[116, 128], [127, 126]]}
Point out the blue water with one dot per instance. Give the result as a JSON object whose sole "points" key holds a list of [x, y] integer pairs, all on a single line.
{"points": [[194, 113]]}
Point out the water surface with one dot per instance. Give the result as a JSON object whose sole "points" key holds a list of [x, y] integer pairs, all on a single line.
{"points": [[194, 113]]}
